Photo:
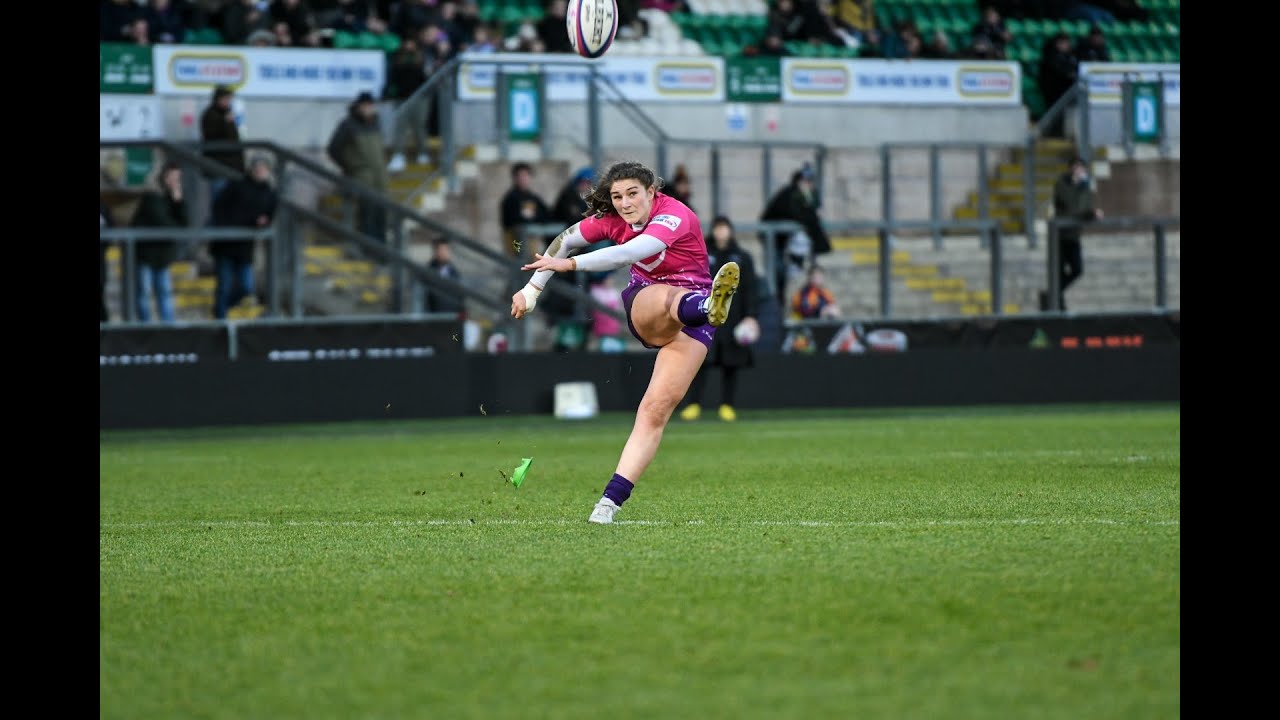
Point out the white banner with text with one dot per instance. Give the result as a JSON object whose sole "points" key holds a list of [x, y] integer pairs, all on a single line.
{"points": [[269, 72]]}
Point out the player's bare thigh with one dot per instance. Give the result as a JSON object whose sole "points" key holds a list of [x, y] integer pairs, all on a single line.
{"points": [[653, 313]]}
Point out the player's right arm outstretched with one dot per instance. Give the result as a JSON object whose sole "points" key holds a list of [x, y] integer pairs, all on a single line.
{"points": [[567, 242]]}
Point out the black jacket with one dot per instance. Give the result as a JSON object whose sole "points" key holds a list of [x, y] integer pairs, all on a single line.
{"points": [[725, 350], [240, 204], [217, 126], [155, 210], [790, 203]]}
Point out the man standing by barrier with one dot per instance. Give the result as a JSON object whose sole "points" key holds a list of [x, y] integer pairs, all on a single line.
{"points": [[1073, 198], [246, 203]]}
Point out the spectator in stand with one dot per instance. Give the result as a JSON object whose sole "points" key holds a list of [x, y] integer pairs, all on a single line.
{"points": [[114, 19], [785, 19], [797, 201], [980, 48], [551, 29], [440, 301], [267, 38], [1093, 47], [731, 350], [630, 25], [571, 204], [240, 18], [606, 330], [813, 300], [410, 16], [521, 205], [680, 187], [938, 47], [352, 16], [467, 21], [357, 148], [482, 39], [162, 208], [139, 32], [854, 17], [1057, 75], [218, 124], [913, 47], [992, 27], [249, 202], [525, 39], [405, 74], [168, 20], [1073, 198], [298, 21], [772, 44]]}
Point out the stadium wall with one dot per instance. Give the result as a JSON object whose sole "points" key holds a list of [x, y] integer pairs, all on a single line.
{"points": [[259, 392]]}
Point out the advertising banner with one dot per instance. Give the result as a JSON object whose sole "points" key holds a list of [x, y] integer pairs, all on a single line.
{"points": [[753, 79], [902, 82], [677, 79], [355, 340], [1105, 80], [162, 345], [269, 72], [1077, 333], [124, 68], [129, 117]]}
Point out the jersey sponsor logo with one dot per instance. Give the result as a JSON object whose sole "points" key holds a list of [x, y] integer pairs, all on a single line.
{"points": [[670, 222]]}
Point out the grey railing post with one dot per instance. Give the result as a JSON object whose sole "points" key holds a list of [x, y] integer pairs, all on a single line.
{"points": [[296, 267], [398, 270], [1126, 114], [886, 185], [1161, 267], [1029, 191], [1054, 279], [935, 195], [444, 113], [984, 187], [274, 256], [771, 268], [593, 120], [716, 185], [129, 279], [997, 263], [766, 172], [886, 297], [500, 104], [1164, 118], [1084, 145]]}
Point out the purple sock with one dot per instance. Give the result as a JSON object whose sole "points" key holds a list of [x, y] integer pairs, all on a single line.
{"points": [[618, 489], [690, 311]]}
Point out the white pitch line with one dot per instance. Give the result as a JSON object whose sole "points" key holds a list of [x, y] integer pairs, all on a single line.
{"points": [[974, 522]]}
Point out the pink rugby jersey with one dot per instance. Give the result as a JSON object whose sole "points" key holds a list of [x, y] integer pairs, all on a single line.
{"points": [[684, 262]]}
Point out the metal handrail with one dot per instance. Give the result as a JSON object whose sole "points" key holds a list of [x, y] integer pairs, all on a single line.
{"points": [[1158, 225]]}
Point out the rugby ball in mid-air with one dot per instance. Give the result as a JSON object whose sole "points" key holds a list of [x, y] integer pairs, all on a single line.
{"points": [[592, 25]]}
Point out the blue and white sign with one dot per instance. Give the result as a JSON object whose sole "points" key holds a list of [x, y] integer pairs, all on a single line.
{"points": [[674, 79], [1104, 80], [269, 72], [902, 82]]}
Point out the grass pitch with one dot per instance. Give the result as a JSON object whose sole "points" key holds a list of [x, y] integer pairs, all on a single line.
{"points": [[940, 563]]}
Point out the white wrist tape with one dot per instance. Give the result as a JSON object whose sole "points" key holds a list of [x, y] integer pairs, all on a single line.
{"points": [[530, 294]]}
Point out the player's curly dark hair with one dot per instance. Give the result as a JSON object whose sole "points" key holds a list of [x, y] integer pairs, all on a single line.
{"points": [[599, 202]]}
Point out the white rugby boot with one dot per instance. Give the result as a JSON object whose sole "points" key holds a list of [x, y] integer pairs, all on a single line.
{"points": [[603, 512]]}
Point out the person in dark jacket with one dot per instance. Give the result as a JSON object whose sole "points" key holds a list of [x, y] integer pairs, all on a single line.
{"points": [[218, 124], [249, 202], [1073, 197], [731, 346], [1057, 74], [159, 209], [797, 201], [358, 149], [441, 301]]}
